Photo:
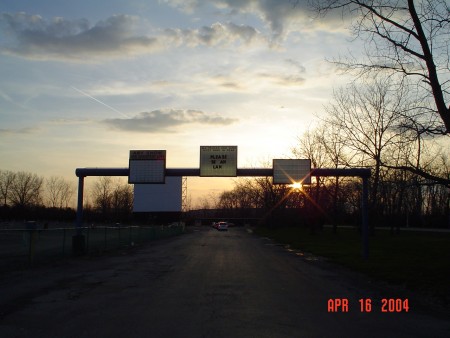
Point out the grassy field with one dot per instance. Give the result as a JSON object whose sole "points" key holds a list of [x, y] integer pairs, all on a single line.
{"points": [[416, 260]]}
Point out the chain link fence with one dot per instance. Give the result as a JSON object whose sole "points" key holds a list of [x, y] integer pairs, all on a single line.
{"points": [[32, 245]]}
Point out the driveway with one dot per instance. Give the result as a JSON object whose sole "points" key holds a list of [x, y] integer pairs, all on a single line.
{"points": [[206, 283]]}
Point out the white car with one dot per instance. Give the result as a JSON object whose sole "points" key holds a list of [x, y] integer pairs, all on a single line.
{"points": [[222, 226]]}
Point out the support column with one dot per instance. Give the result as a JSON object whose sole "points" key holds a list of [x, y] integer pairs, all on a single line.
{"points": [[78, 240], [79, 222], [365, 217]]}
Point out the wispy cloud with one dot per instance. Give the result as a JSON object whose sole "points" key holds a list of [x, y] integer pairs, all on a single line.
{"points": [[69, 122], [20, 131], [166, 120]]}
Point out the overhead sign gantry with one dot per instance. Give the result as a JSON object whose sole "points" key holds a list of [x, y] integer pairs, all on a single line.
{"points": [[149, 166]]}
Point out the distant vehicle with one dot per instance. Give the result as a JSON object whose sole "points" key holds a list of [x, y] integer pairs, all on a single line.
{"points": [[222, 226]]}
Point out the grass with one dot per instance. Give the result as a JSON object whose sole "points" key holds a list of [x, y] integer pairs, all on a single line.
{"points": [[419, 261]]}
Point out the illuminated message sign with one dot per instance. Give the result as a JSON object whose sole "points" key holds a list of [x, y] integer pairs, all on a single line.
{"points": [[288, 171], [147, 166], [218, 161]]}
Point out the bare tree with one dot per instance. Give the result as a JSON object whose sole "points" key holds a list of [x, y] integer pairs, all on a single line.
{"points": [[208, 202], [228, 200], [407, 40], [368, 119], [112, 198], [26, 189], [67, 194], [6, 182], [309, 146], [246, 194], [332, 141], [122, 200], [416, 154], [102, 193], [59, 192]]}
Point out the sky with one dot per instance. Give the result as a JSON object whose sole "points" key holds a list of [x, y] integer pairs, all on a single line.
{"points": [[84, 82]]}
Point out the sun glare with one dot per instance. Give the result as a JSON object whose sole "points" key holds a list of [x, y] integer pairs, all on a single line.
{"points": [[296, 185]]}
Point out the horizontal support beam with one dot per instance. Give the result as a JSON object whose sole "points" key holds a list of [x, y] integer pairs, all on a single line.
{"points": [[243, 172], [341, 172], [83, 172]]}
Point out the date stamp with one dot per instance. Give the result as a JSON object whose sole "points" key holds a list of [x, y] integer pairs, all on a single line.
{"points": [[388, 305]]}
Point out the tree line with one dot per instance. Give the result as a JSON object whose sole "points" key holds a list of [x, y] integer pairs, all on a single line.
{"points": [[28, 195], [397, 196], [24, 189]]}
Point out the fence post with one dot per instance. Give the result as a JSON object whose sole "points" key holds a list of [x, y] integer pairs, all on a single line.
{"points": [[31, 227], [106, 237], [87, 238], [64, 241]]}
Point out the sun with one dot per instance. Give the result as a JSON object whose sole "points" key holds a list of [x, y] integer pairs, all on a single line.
{"points": [[296, 185]]}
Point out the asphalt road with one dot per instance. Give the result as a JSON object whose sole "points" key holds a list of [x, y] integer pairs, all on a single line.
{"points": [[203, 284]]}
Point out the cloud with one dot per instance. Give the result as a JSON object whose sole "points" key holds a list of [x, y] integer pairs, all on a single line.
{"points": [[216, 34], [166, 120], [31, 36], [34, 37], [275, 13], [67, 121], [20, 131], [295, 77], [281, 16], [283, 80]]}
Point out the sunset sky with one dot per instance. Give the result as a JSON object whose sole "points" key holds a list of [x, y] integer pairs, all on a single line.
{"points": [[83, 82]]}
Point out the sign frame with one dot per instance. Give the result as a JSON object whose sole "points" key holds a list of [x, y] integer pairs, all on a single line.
{"points": [[218, 161], [288, 171], [147, 167]]}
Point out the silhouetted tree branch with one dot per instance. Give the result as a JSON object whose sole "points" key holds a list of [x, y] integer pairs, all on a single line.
{"points": [[405, 39]]}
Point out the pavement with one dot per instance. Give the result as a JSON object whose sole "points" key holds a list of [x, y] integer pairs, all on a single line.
{"points": [[208, 283]]}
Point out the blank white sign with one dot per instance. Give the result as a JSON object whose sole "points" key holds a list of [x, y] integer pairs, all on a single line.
{"points": [[158, 197]]}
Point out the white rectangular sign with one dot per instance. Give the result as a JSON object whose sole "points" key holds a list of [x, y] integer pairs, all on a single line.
{"points": [[218, 161], [147, 166], [288, 171]]}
